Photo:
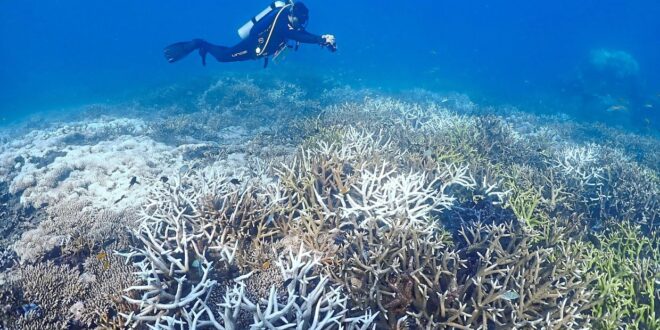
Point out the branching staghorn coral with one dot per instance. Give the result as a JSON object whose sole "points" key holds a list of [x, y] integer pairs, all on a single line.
{"points": [[186, 251], [390, 231], [596, 182], [414, 253], [378, 216], [590, 180], [626, 262], [631, 192], [189, 245], [316, 180], [503, 280], [174, 259], [310, 301], [404, 120], [580, 170]]}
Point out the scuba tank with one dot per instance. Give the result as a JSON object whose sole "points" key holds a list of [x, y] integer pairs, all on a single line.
{"points": [[244, 31]]}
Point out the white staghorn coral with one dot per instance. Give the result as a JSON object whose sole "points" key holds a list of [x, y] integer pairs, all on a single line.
{"points": [[384, 196], [173, 258], [413, 118], [353, 146], [580, 162], [310, 302], [183, 251]]}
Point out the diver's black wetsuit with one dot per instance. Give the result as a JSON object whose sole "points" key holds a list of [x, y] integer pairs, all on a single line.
{"points": [[268, 36], [252, 46]]}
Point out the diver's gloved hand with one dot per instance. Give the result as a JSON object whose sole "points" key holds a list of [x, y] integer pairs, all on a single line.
{"points": [[330, 42]]}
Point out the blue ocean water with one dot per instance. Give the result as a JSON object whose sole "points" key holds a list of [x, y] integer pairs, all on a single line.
{"points": [[55, 54], [455, 164]]}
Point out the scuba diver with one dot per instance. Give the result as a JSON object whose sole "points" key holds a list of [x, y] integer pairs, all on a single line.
{"points": [[265, 35]]}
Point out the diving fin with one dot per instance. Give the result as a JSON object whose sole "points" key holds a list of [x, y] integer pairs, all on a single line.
{"points": [[179, 50]]}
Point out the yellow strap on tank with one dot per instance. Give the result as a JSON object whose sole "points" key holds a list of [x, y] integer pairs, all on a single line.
{"points": [[259, 53]]}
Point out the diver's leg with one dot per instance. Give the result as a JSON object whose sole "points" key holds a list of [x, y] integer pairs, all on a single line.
{"points": [[240, 52]]}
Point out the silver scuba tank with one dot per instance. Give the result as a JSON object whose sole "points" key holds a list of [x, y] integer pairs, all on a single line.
{"points": [[244, 31]]}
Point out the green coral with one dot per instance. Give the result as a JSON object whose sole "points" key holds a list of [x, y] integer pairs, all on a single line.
{"points": [[524, 204], [627, 264]]}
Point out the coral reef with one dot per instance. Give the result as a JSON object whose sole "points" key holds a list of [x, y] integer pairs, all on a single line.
{"points": [[617, 62], [509, 280], [45, 167], [264, 204], [191, 234]]}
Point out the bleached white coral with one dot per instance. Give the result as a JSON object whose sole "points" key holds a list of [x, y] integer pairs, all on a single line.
{"points": [[97, 160], [383, 195], [170, 231], [310, 303], [41, 146], [176, 241], [182, 250], [35, 243], [354, 146], [84, 160], [101, 173], [580, 162]]}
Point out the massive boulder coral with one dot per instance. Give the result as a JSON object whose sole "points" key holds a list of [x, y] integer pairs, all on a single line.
{"points": [[84, 172], [619, 63]]}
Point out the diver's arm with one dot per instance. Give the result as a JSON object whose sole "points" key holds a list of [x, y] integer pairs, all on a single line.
{"points": [[326, 40], [305, 37]]}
